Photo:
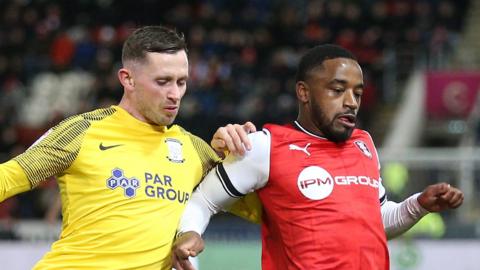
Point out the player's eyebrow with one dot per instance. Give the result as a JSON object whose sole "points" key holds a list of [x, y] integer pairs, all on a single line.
{"points": [[345, 82]]}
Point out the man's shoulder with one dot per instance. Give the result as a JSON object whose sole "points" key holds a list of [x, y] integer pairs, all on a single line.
{"points": [[178, 131], [87, 117], [280, 130], [75, 125], [360, 133], [272, 126], [98, 114]]}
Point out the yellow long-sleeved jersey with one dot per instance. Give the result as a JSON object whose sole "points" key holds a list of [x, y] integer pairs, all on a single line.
{"points": [[123, 183]]}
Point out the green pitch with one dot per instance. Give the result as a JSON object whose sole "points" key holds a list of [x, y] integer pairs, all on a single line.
{"points": [[235, 255]]}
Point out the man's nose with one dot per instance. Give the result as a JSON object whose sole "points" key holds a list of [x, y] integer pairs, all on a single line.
{"points": [[174, 93], [350, 100]]}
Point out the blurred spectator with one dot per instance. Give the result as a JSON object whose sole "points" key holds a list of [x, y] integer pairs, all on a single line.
{"points": [[56, 61]]}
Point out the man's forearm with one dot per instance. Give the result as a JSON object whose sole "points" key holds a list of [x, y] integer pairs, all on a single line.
{"points": [[207, 200], [400, 217]]}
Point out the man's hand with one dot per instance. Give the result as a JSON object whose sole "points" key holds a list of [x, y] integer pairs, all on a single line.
{"points": [[439, 197], [233, 138], [188, 244]]}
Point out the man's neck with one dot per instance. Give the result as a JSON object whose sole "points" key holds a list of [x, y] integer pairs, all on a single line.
{"points": [[308, 126], [131, 109]]}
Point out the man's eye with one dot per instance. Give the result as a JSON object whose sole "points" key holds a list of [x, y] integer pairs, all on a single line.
{"points": [[162, 82], [182, 83]]}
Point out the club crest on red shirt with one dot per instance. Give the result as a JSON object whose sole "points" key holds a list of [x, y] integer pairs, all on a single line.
{"points": [[363, 148]]}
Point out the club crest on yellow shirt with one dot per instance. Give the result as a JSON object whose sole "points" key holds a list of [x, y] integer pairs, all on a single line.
{"points": [[175, 153]]}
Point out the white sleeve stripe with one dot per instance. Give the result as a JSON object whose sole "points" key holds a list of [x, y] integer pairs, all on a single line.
{"points": [[226, 183], [383, 199]]}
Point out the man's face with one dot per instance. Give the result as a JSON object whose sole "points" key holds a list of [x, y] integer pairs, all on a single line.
{"points": [[160, 83], [335, 94]]}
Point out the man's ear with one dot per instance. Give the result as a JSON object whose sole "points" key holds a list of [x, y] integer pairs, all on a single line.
{"points": [[126, 79], [302, 90]]}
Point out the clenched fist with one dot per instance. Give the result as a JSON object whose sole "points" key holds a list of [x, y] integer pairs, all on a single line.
{"points": [[439, 197], [188, 244]]}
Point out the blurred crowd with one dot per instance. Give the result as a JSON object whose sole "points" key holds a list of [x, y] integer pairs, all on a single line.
{"points": [[59, 58]]}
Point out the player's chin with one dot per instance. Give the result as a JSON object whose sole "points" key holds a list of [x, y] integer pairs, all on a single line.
{"points": [[340, 135], [165, 120], [170, 117]]}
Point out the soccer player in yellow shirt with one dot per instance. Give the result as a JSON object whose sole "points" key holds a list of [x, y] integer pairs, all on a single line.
{"points": [[124, 175]]}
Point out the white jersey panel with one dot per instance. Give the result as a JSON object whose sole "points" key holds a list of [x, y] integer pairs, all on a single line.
{"points": [[228, 182], [250, 172]]}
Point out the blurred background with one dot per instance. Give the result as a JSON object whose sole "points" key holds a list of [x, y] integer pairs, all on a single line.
{"points": [[421, 63]]}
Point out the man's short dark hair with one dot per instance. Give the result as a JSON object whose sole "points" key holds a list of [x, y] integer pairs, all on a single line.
{"points": [[315, 57], [152, 39]]}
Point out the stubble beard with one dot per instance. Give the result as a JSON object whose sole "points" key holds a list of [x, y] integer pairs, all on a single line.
{"points": [[163, 119], [327, 127], [155, 116]]}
